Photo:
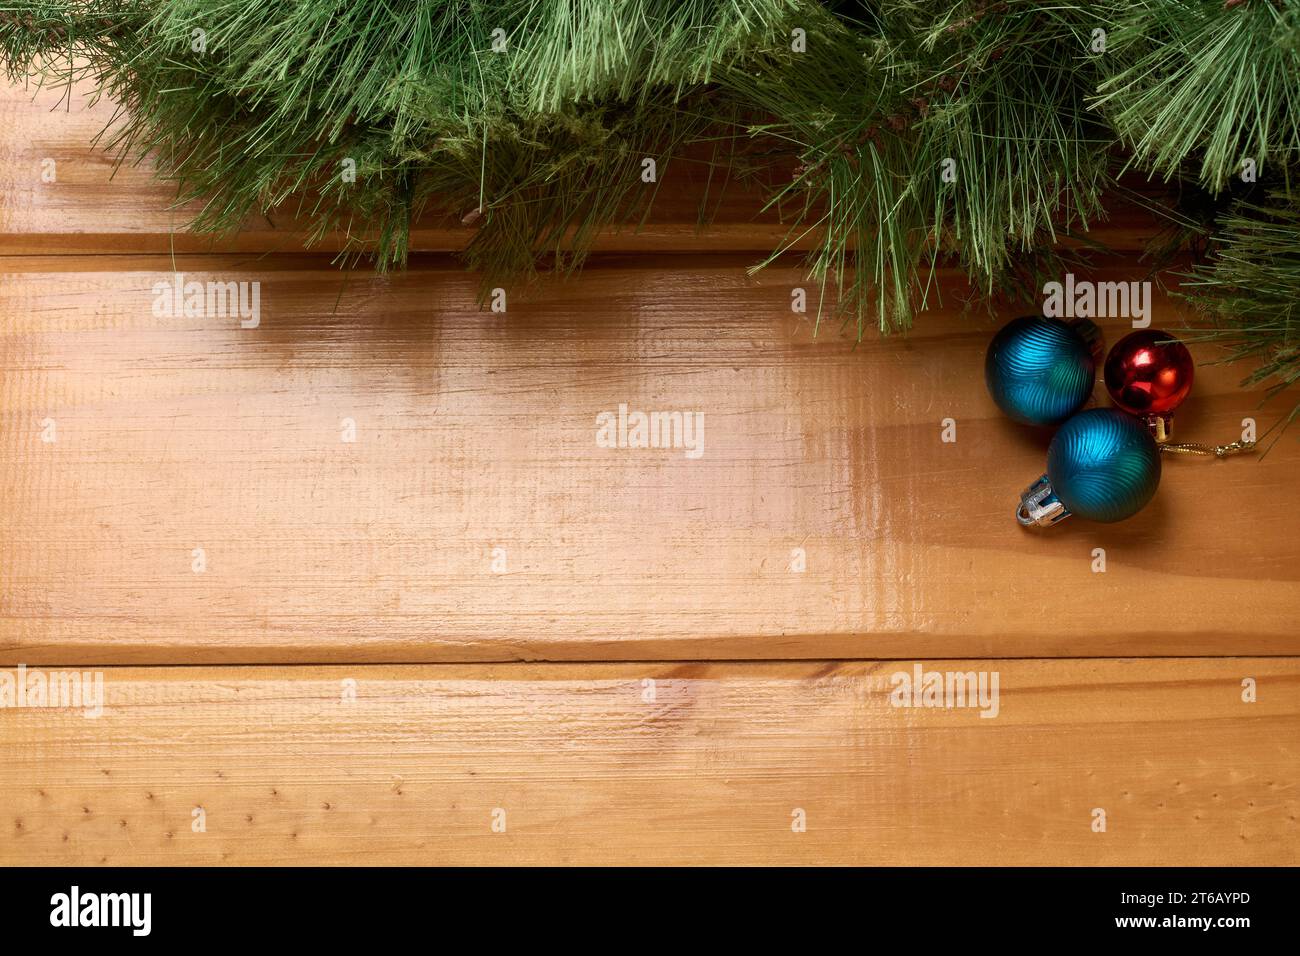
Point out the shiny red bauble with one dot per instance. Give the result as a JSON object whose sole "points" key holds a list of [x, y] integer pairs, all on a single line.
{"points": [[1149, 373]]}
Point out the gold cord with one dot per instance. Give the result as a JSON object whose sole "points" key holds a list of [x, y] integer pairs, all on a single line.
{"points": [[1218, 451]]}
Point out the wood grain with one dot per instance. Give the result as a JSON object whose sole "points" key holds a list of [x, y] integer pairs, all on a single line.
{"points": [[477, 431], [329, 561], [711, 770]]}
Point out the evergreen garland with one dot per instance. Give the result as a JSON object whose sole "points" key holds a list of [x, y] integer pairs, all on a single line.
{"points": [[856, 109]]}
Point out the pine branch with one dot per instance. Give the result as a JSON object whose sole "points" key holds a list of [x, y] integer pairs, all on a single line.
{"points": [[952, 131], [1250, 291], [1201, 77]]}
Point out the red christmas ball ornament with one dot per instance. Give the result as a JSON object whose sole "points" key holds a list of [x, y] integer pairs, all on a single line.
{"points": [[1148, 373]]}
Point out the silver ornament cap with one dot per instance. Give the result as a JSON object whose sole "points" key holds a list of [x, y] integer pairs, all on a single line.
{"points": [[1039, 505]]}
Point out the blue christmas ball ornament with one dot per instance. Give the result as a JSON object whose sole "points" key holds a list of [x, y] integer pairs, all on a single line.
{"points": [[1040, 370], [1102, 465]]}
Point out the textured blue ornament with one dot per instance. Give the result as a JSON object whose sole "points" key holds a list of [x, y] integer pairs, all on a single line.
{"points": [[1039, 370], [1104, 465]]}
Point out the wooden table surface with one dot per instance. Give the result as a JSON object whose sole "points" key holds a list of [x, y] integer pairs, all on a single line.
{"points": [[365, 608]]}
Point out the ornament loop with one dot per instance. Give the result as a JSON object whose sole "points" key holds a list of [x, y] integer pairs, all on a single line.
{"points": [[1218, 451], [1039, 505]]}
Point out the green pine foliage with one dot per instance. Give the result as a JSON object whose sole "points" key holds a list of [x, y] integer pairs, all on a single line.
{"points": [[1249, 291], [538, 145], [900, 133], [934, 131], [1210, 83]]}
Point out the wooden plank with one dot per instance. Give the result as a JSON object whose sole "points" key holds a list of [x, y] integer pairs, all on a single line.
{"points": [[477, 431], [587, 769], [89, 208]]}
